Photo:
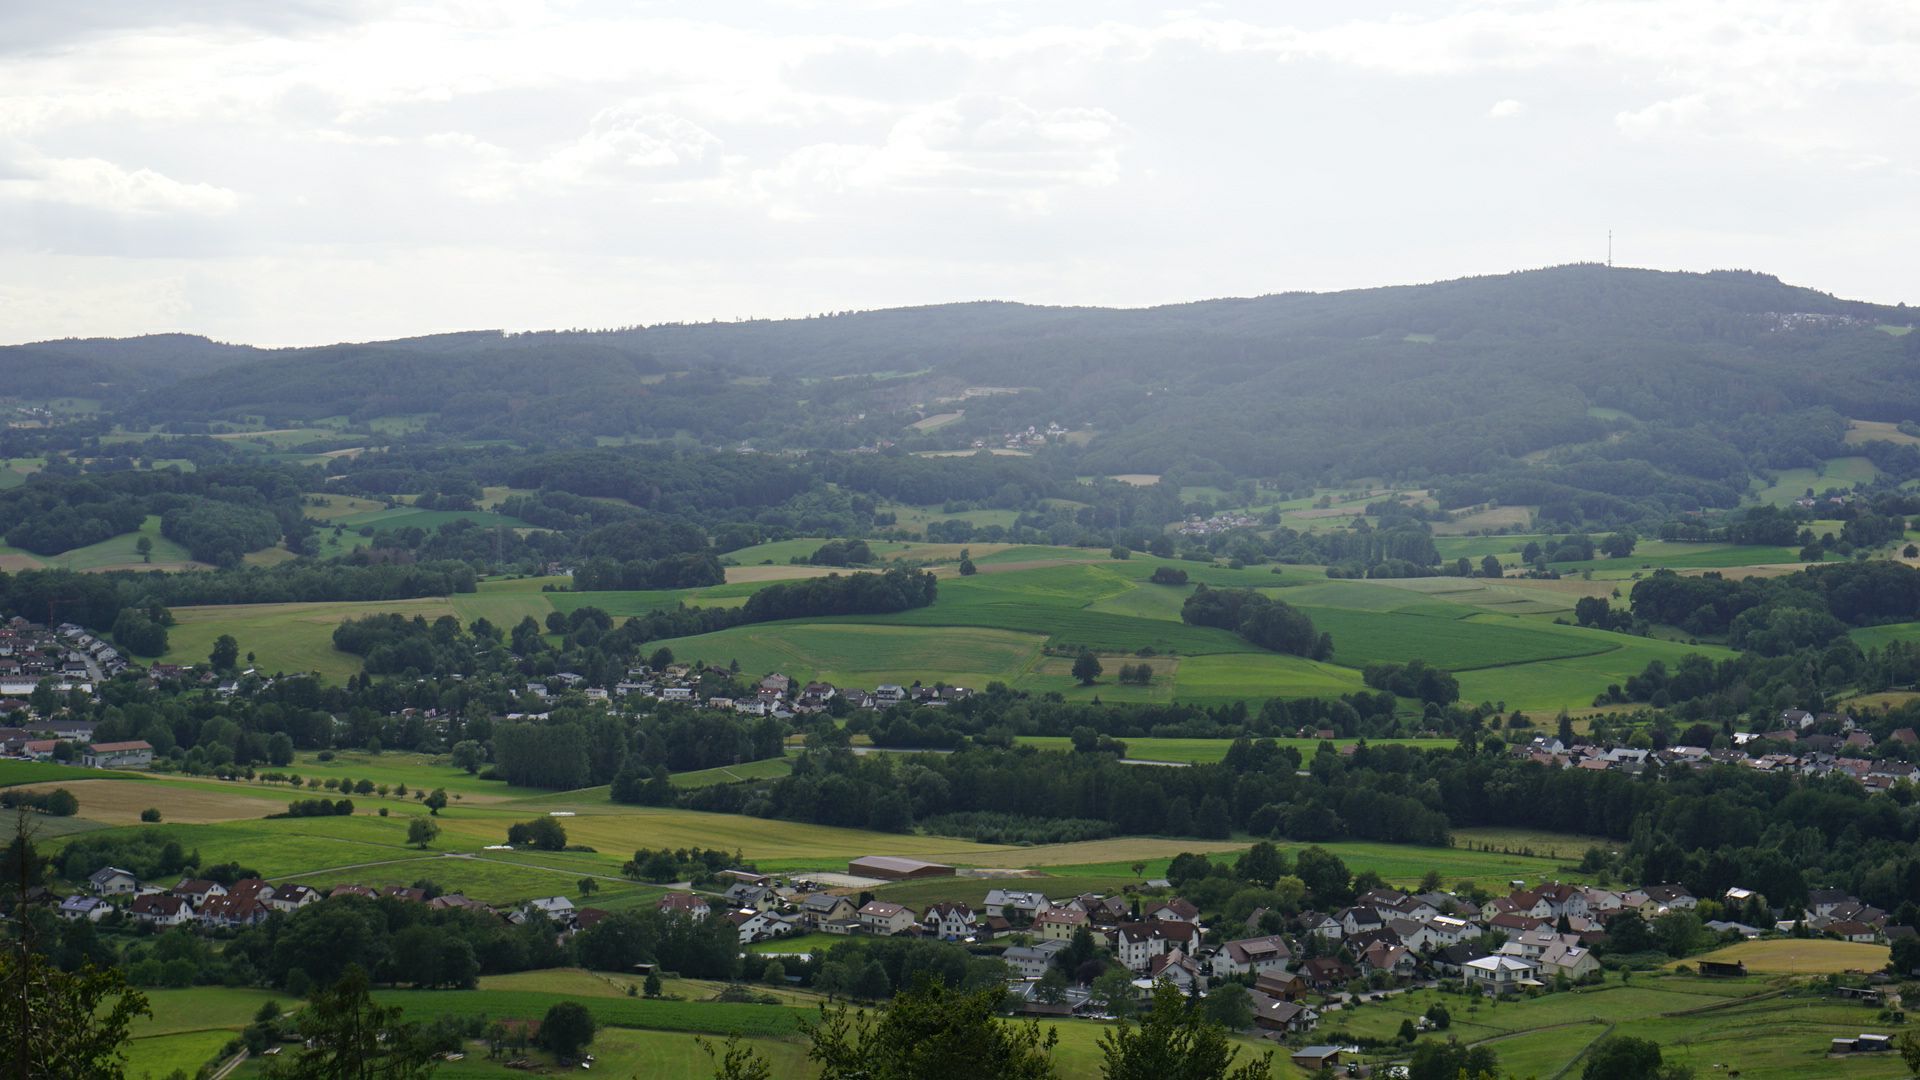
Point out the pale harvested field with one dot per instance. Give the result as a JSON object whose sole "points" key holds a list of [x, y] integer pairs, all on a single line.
{"points": [[1120, 849], [19, 562], [119, 802], [779, 572], [1798, 956], [937, 420], [1137, 479], [1863, 431]]}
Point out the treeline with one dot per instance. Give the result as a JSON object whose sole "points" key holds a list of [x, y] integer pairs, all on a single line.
{"points": [[1268, 623], [1710, 828], [895, 589], [1773, 616]]}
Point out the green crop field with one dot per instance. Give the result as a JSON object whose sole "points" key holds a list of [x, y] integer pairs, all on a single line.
{"points": [[1367, 637], [1659, 554], [851, 654], [1572, 682]]}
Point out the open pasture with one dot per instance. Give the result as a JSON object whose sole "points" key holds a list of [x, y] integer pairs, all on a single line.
{"points": [[284, 637], [1791, 484]]}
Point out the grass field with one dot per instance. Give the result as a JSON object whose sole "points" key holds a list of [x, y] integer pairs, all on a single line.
{"points": [[730, 774], [1811, 956], [189, 1027], [115, 553], [40, 772], [1840, 472]]}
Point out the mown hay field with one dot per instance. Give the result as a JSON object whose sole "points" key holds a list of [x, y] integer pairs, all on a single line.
{"points": [[1798, 956]]}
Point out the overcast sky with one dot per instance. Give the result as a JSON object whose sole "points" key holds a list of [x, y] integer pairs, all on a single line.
{"points": [[303, 171]]}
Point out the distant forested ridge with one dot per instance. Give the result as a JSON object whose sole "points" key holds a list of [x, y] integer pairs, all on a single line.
{"points": [[1595, 397]]}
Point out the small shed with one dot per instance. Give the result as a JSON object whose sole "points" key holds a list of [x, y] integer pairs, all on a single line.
{"points": [[1720, 969]]}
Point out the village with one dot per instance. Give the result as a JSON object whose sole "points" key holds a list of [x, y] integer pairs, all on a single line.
{"points": [[1805, 744], [1297, 971]]}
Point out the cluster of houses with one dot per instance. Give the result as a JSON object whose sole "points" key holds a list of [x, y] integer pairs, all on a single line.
{"points": [[1218, 523], [43, 744], [31, 653], [775, 695], [213, 905], [1806, 744]]}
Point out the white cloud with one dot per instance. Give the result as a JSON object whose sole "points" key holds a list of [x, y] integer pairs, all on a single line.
{"points": [[96, 184], [1663, 116], [780, 155]]}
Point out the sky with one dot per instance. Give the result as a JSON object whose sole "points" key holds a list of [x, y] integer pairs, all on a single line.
{"points": [[309, 171]]}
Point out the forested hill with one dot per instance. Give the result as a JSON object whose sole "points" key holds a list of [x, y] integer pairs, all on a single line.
{"points": [[1680, 382], [110, 368]]}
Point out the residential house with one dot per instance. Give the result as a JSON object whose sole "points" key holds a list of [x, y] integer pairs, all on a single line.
{"points": [[1573, 961], [1256, 954], [112, 881], [1175, 910], [1395, 960], [752, 897], [232, 911], [1030, 961], [1016, 905], [157, 909], [1281, 1015], [1059, 923], [886, 918], [1671, 898], [291, 898], [555, 909], [1178, 970], [1136, 944], [195, 891], [689, 905], [950, 921], [1499, 974], [819, 909], [77, 907], [1324, 973], [1450, 960]]}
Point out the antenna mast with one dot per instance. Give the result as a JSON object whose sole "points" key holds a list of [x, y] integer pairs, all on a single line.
{"points": [[1609, 249]]}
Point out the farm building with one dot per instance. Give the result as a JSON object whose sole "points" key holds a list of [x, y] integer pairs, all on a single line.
{"points": [[1720, 969], [893, 868]]}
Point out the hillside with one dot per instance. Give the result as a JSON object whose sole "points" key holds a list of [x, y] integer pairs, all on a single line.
{"points": [[1585, 380], [114, 369]]}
